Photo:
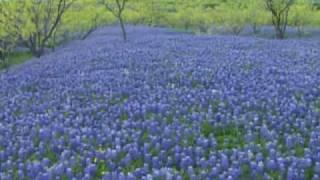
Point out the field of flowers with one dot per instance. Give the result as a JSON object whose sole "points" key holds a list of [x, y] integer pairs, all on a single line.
{"points": [[165, 105]]}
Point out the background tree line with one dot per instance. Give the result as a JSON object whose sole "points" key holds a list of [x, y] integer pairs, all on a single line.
{"points": [[40, 25]]}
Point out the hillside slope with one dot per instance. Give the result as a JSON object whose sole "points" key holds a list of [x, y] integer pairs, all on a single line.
{"points": [[163, 104]]}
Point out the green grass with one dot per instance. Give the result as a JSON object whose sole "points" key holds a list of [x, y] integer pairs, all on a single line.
{"points": [[227, 137], [16, 58], [52, 156], [275, 175], [245, 171], [207, 129], [116, 100], [154, 152], [138, 163], [262, 143], [191, 141], [309, 173], [145, 136], [120, 156], [317, 105], [64, 177], [169, 119], [282, 145], [299, 151], [188, 141], [215, 106], [36, 141], [124, 116], [77, 168], [102, 169], [15, 173], [33, 158], [185, 175], [248, 67]]}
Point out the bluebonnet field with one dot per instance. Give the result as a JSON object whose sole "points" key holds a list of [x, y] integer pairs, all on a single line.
{"points": [[165, 105]]}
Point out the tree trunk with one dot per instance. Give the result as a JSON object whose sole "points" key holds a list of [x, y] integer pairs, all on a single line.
{"points": [[37, 52], [280, 33], [35, 48], [2, 57], [123, 29], [87, 34], [255, 28]]}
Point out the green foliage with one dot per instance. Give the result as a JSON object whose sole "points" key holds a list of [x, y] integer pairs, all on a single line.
{"points": [[32, 158], [124, 116], [145, 136], [301, 12], [309, 173], [101, 169], [233, 16], [133, 166], [83, 17], [299, 151], [275, 175], [11, 28], [256, 15], [315, 18], [207, 129], [15, 174], [316, 105], [42, 20], [51, 155], [149, 12], [118, 100], [77, 168], [120, 156], [227, 137], [245, 171]]}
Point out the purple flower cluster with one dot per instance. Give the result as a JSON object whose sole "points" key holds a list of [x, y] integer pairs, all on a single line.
{"points": [[163, 106]]}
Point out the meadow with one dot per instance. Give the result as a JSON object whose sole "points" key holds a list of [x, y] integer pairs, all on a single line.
{"points": [[164, 90], [164, 105]]}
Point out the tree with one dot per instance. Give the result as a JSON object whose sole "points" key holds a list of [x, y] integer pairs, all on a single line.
{"points": [[117, 8], [43, 18], [279, 12], [11, 27]]}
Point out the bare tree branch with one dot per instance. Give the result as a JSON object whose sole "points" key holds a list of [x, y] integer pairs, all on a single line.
{"points": [[280, 11], [117, 11]]}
